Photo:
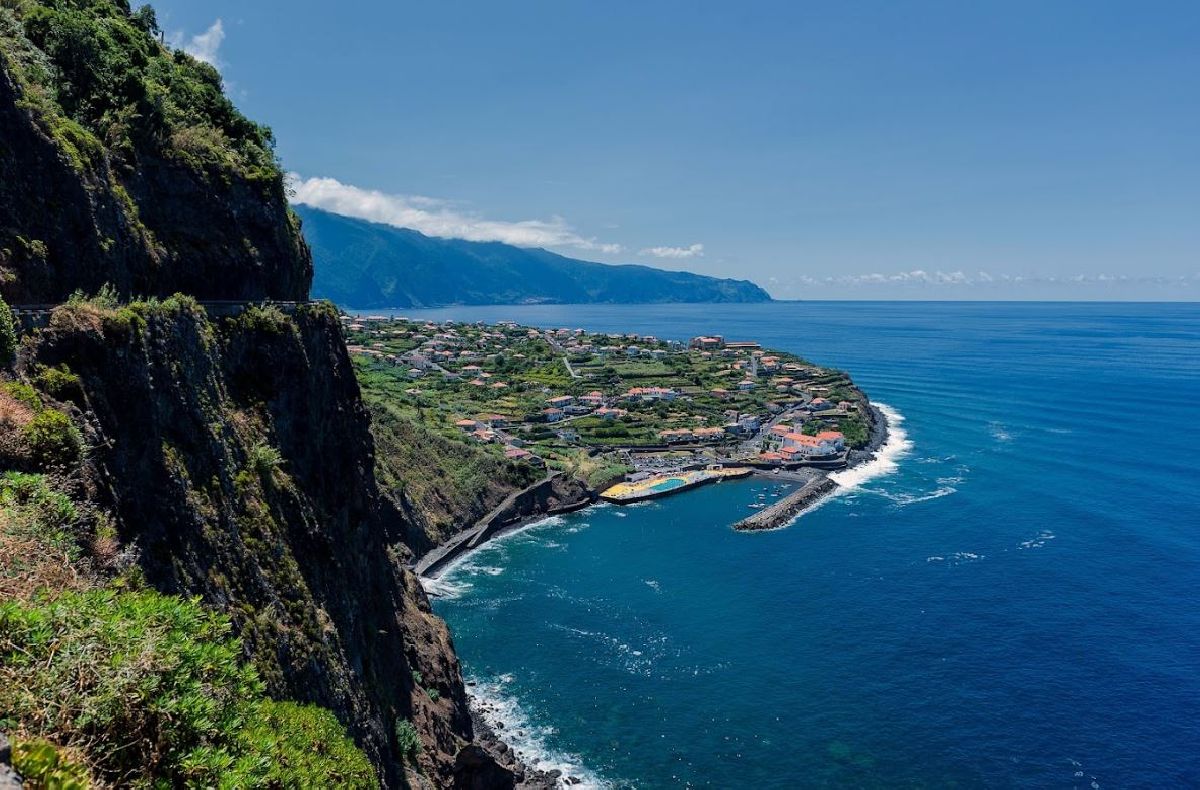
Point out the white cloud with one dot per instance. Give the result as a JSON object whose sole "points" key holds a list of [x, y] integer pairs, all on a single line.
{"points": [[691, 251], [923, 278], [435, 217], [202, 46]]}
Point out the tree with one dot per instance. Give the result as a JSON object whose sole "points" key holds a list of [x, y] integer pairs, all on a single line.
{"points": [[8, 334], [146, 19]]}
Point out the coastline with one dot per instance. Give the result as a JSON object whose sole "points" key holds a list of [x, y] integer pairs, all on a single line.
{"points": [[449, 553], [493, 717]]}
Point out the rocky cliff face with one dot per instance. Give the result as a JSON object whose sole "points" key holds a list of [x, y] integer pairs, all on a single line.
{"points": [[233, 453], [144, 219]]}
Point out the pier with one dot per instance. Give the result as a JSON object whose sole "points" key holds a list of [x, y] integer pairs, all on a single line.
{"points": [[786, 509]]}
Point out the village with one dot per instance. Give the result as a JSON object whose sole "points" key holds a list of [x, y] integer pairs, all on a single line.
{"points": [[612, 407]]}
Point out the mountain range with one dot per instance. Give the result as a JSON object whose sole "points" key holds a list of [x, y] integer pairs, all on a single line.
{"points": [[364, 264]]}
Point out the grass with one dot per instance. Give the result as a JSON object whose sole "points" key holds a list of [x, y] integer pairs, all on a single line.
{"points": [[151, 688]]}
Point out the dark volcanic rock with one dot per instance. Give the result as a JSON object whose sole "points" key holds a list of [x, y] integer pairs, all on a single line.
{"points": [[148, 225], [9, 778]]}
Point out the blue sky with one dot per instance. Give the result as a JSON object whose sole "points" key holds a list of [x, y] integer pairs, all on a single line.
{"points": [[861, 149]]}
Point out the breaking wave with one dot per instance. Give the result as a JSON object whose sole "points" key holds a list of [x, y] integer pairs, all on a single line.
{"points": [[886, 459], [510, 721]]}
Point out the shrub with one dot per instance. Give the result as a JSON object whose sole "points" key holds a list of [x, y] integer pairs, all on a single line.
{"points": [[20, 391], [8, 334], [50, 507], [287, 745], [267, 318], [105, 299], [59, 382], [408, 741], [53, 439], [42, 764], [39, 546], [151, 689], [265, 459]]}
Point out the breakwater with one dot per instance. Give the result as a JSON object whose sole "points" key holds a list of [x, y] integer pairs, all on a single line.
{"points": [[786, 509]]}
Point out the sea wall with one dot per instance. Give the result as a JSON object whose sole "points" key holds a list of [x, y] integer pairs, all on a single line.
{"points": [[551, 496], [786, 509]]}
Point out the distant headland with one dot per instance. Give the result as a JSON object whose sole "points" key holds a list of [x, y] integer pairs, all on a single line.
{"points": [[367, 265]]}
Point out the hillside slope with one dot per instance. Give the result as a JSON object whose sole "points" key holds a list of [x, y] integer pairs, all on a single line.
{"points": [[367, 265], [226, 457]]}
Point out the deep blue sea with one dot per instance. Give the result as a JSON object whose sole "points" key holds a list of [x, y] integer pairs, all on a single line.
{"points": [[1012, 601]]}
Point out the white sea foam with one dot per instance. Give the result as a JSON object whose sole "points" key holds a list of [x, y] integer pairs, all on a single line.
{"points": [[999, 432], [958, 558], [1038, 542], [886, 459], [904, 499], [445, 588], [449, 583], [653, 585], [504, 714]]}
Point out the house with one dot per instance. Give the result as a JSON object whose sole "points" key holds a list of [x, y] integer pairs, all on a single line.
{"points": [[675, 435], [493, 420], [804, 446], [561, 401], [467, 425], [609, 413], [746, 385], [708, 434], [651, 394], [484, 435], [595, 398], [568, 435], [516, 454], [707, 342], [720, 393], [834, 440], [553, 415], [577, 409]]}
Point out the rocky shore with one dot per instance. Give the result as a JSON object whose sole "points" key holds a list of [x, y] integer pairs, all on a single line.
{"points": [[526, 778]]}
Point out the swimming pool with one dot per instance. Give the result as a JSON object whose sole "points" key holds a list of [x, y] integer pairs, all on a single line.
{"points": [[670, 484]]}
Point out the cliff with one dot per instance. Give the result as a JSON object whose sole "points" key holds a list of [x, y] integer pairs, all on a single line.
{"points": [[366, 265], [122, 163], [222, 457]]}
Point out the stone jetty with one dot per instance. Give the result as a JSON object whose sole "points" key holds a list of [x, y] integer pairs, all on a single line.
{"points": [[786, 509]]}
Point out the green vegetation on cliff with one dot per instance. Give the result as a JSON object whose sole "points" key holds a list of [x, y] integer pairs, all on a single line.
{"points": [[99, 79], [151, 688], [124, 163], [248, 430]]}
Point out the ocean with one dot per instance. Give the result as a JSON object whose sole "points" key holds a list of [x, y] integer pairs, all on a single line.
{"points": [[1008, 599]]}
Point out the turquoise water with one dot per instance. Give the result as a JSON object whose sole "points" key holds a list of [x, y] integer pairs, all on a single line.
{"points": [[670, 484], [1011, 602]]}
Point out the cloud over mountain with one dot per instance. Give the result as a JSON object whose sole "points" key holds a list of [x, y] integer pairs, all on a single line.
{"points": [[435, 217]]}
